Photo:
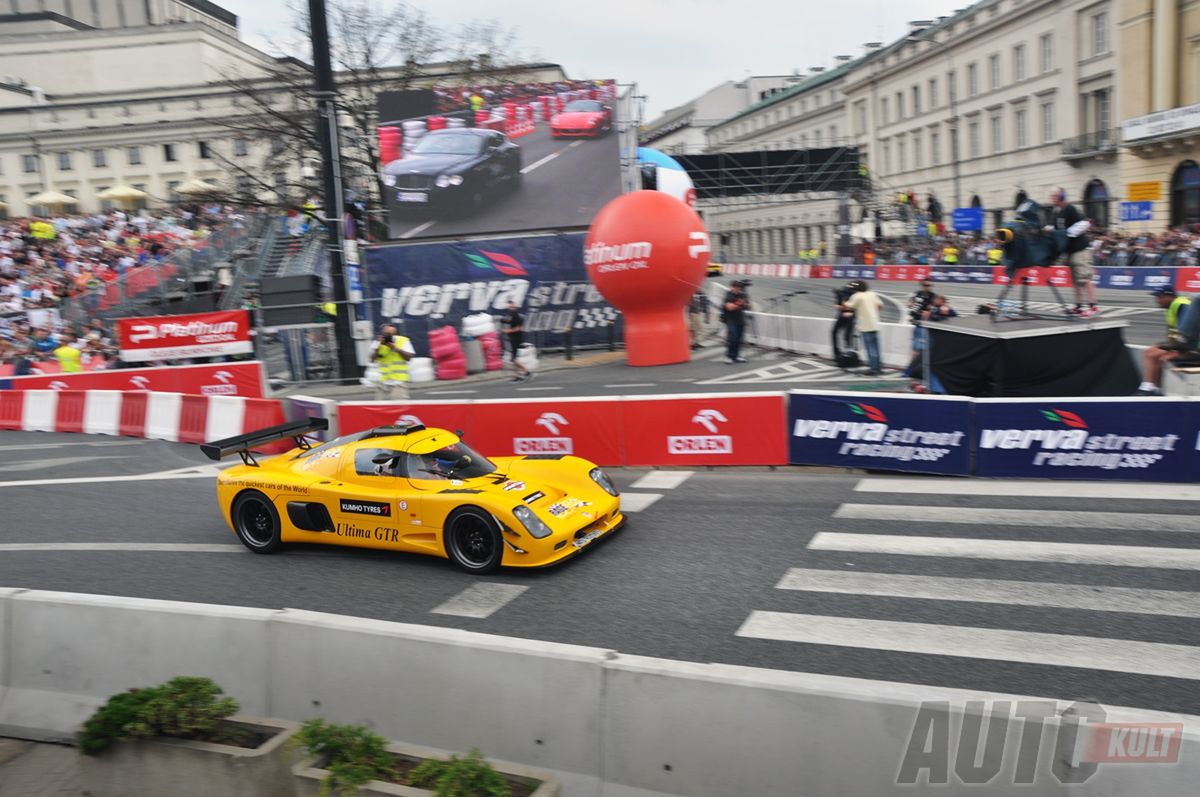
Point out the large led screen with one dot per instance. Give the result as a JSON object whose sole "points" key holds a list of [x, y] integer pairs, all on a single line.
{"points": [[498, 159]]}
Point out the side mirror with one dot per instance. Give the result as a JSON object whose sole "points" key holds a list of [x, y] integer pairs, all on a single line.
{"points": [[460, 433]]}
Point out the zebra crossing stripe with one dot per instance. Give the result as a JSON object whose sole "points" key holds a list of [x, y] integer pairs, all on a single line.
{"points": [[1010, 550], [1168, 603], [1020, 517], [1027, 647]]}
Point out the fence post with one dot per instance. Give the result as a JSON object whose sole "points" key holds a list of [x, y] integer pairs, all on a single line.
{"points": [[612, 335], [567, 344]]}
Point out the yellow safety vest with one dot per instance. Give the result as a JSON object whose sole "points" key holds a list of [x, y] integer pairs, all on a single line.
{"points": [[392, 366], [69, 358], [950, 255], [995, 257], [1173, 310], [329, 308], [43, 229]]}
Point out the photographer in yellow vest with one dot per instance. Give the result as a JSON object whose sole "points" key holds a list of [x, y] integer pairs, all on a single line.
{"points": [[391, 352]]}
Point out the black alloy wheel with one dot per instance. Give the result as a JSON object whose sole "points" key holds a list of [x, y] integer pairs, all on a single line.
{"points": [[473, 541], [256, 522]]}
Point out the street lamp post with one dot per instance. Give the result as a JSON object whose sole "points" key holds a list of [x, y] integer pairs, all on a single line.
{"points": [[950, 88]]}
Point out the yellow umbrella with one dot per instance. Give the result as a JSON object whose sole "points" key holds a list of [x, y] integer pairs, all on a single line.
{"points": [[52, 199], [197, 187]]}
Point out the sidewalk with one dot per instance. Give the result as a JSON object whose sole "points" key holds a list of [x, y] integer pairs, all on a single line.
{"points": [[30, 769]]}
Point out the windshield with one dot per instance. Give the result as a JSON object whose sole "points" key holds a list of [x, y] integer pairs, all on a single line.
{"points": [[457, 461], [452, 144], [584, 105]]}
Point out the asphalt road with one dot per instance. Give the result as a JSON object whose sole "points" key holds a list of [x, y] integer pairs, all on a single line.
{"points": [[564, 183], [1059, 590]]}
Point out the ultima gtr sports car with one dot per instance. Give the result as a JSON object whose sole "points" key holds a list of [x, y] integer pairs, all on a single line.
{"points": [[409, 488]]}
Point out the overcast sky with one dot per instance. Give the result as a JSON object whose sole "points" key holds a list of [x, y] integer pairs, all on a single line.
{"points": [[673, 49]]}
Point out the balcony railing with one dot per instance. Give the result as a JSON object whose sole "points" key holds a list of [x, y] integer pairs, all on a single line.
{"points": [[1088, 145]]}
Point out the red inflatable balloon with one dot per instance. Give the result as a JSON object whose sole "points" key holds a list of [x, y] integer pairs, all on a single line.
{"points": [[647, 253]]}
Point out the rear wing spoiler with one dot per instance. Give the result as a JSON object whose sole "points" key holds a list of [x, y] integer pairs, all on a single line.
{"points": [[242, 444]]}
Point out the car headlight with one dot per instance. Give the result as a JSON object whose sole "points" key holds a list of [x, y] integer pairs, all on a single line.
{"points": [[532, 523], [606, 484], [445, 180], [389, 180]]}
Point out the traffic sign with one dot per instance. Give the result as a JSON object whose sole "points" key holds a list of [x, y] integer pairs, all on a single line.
{"points": [[968, 219], [1137, 211]]}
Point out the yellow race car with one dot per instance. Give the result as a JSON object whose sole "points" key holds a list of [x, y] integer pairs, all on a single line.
{"points": [[413, 489]]}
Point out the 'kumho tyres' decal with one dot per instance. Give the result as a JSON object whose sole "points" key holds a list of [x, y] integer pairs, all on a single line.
{"points": [[373, 508]]}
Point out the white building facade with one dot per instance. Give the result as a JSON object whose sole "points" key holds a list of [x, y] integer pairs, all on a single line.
{"points": [[682, 130]]}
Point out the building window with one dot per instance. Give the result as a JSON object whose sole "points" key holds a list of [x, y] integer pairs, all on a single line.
{"points": [[862, 117], [833, 135], [99, 158], [64, 161], [973, 139], [1019, 62], [916, 95], [171, 186], [1047, 122], [972, 80], [902, 154], [918, 153], [887, 157], [899, 106], [1047, 53], [997, 136], [1022, 128], [1103, 109], [29, 164], [935, 146], [133, 155], [1095, 203], [883, 111], [994, 72], [169, 153], [933, 94], [1185, 195], [1100, 33], [951, 85], [205, 151]]}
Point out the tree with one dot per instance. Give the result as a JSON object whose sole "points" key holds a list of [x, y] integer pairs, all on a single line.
{"points": [[374, 49]]}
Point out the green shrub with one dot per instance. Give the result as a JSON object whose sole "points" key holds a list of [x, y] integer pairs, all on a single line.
{"points": [[186, 707], [459, 777], [353, 754]]}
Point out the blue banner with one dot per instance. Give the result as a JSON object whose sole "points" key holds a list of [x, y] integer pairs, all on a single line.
{"points": [[1141, 279], [919, 434], [854, 272], [1137, 211], [1131, 440], [977, 274], [432, 285], [968, 219]]}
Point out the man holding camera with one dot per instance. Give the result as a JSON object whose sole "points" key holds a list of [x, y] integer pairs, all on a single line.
{"points": [[918, 306], [1070, 235], [392, 351], [844, 325], [734, 308], [866, 306]]}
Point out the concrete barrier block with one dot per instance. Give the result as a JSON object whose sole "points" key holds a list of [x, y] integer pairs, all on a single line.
{"points": [[72, 652], [162, 416], [224, 417], [515, 699], [102, 412], [41, 411]]}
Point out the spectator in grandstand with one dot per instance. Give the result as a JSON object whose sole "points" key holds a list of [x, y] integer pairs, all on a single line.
{"points": [[68, 354]]}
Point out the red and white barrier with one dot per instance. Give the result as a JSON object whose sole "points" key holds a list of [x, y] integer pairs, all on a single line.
{"points": [[176, 417], [689, 429], [519, 120], [219, 379]]}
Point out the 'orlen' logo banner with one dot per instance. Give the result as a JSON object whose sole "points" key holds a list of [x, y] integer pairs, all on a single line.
{"points": [[1130, 439], [554, 440], [901, 433], [178, 337]]}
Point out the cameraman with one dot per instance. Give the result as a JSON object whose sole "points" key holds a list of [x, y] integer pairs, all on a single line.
{"points": [[391, 352], [918, 305], [866, 306], [845, 318], [733, 314]]}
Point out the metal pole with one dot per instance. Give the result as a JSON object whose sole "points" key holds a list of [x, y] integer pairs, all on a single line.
{"points": [[327, 132]]}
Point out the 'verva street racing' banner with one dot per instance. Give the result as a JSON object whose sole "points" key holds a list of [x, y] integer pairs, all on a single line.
{"points": [[178, 337], [921, 434], [1146, 440], [432, 285]]}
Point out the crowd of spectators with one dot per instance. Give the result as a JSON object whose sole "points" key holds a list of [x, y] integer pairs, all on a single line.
{"points": [[47, 264], [474, 98]]}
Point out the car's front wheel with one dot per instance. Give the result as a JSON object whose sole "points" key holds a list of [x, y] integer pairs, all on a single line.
{"points": [[256, 522], [473, 541]]}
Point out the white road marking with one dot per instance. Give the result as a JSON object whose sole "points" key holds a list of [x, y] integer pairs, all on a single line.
{"points": [[40, 464], [1049, 519], [546, 387], [1010, 550], [1029, 489], [480, 600], [92, 443], [125, 547], [197, 472], [448, 392], [1058, 650], [541, 161], [1169, 603], [662, 480], [420, 228], [638, 502], [633, 384]]}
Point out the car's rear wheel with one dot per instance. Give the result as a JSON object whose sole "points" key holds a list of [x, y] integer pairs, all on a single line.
{"points": [[473, 541], [256, 522]]}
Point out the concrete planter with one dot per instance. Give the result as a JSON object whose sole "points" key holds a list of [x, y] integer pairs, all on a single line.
{"points": [[308, 775], [184, 768]]}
